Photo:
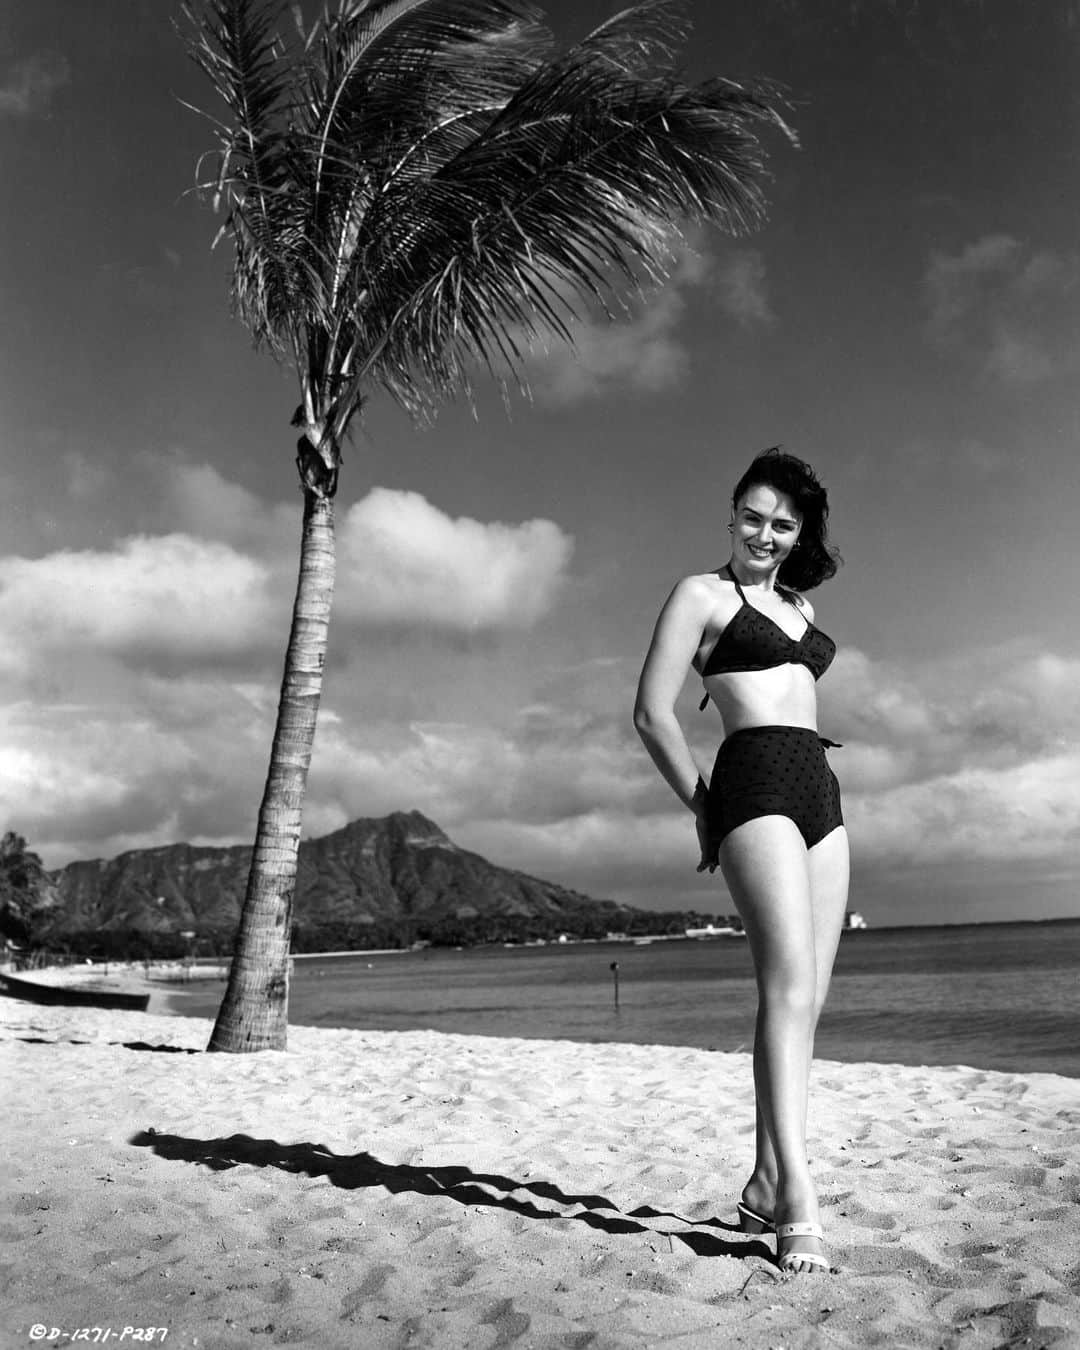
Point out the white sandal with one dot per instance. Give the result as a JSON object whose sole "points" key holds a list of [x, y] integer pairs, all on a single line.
{"points": [[788, 1260]]}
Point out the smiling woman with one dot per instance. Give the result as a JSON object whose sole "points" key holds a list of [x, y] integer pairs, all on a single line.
{"points": [[770, 818]]}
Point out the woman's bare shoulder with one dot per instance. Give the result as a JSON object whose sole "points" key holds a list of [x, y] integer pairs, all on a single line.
{"points": [[702, 590], [704, 599]]}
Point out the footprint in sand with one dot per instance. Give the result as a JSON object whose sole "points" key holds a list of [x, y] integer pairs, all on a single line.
{"points": [[862, 1217]]}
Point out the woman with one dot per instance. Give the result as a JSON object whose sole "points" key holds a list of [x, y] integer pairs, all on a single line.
{"points": [[770, 815]]}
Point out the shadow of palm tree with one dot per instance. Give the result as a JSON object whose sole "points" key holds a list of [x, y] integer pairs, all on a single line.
{"points": [[358, 1171]]}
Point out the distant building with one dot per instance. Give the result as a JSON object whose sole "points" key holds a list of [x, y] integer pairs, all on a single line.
{"points": [[711, 931]]}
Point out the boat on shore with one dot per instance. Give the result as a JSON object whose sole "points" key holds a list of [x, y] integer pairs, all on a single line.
{"points": [[71, 995]]}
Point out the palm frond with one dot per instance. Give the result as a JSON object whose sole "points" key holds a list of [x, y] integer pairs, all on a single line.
{"points": [[390, 68], [572, 191], [238, 45], [642, 39], [413, 186], [400, 86]]}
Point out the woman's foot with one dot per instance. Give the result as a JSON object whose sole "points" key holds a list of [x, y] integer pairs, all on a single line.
{"points": [[800, 1248]]}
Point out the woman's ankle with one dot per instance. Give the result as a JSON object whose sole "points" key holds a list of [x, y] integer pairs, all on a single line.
{"points": [[796, 1201], [760, 1191]]}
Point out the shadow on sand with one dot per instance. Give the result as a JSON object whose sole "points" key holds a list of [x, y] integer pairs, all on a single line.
{"points": [[357, 1171], [128, 1045]]}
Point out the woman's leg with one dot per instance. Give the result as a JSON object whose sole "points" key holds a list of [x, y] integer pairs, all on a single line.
{"points": [[828, 869], [767, 868]]}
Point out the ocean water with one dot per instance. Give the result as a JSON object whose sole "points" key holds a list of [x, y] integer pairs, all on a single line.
{"points": [[993, 996]]}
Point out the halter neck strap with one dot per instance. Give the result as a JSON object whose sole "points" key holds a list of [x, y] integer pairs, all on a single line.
{"points": [[735, 579], [782, 591]]}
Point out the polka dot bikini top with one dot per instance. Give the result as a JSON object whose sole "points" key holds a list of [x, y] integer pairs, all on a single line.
{"points": [[753, 641]]}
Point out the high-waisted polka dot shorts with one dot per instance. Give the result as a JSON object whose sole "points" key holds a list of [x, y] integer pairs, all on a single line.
{"points": [[773, 771]]}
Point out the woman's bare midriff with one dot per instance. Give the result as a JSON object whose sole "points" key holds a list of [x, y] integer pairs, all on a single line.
{"points": [[783, 696]]}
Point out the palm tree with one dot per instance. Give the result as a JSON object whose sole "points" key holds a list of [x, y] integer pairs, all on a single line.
{"points": [[24, 888], [416, 190]]}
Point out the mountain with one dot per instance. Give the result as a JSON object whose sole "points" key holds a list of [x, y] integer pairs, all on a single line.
{"points": [[387, 881]]}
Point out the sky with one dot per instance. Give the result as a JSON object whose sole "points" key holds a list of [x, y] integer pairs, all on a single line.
{"points": [[908, 320]]}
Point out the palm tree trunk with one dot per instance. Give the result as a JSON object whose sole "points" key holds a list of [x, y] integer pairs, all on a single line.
{"points": [[254, 1012]]}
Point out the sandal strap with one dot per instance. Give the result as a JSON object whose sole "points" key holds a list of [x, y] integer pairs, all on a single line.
{"points": [[811, 1230], [790, 1258], [753, 1214]]}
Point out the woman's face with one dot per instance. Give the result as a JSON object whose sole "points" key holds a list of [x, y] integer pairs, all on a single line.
{"points": [[765, 529]]}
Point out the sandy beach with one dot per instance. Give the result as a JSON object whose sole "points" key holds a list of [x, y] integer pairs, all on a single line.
{"points": [[392, 1189]]}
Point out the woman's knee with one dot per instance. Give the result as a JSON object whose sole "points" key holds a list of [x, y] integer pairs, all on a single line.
{"points": [[790, 995]]}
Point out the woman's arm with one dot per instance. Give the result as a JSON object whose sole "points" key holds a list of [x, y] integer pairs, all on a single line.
{"points": [[674, 644]]}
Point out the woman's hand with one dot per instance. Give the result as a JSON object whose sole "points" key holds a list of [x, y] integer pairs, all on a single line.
{"points": [[710, 852]]}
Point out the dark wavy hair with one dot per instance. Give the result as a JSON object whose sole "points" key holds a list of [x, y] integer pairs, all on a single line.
{"points": [[812, 560]]}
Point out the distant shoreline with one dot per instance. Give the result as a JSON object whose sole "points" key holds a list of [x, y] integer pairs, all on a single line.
{"points": [[359, 951], [967, 923], [159, 972]]}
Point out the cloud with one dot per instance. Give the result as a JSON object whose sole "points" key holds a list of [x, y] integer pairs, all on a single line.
{"points": [[920, 463], [86, 478], [740, 285], [971, 763], [406, 563], [1029, 810], [402, 562], [462, 772], [1011, 310], [198, 500], [29, 85], [993, 711], [952, 282], [648, 860], [642, 353], [141, 678], [145, 597], [214, 591], [560, 794], [141, 762]]}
